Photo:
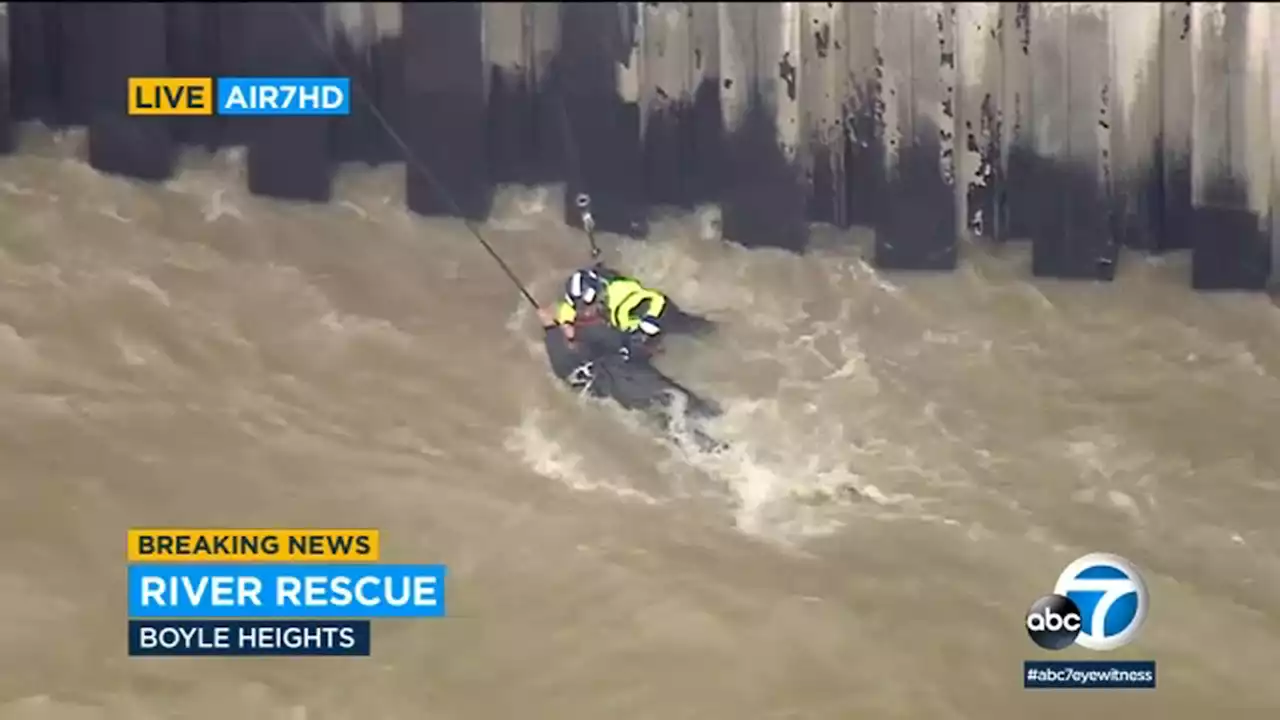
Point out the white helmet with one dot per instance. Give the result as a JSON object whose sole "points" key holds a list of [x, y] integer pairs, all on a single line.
{"points": [[584, 286]]}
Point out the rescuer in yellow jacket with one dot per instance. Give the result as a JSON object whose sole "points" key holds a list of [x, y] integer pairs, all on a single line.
{"points": [[621, 302]]}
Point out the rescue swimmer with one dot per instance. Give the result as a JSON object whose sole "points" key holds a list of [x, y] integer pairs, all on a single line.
{"points": [[602, 334], [641, 315]]}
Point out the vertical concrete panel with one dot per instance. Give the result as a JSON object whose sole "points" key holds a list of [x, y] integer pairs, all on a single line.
{"points": [[445, 124], [1254, 153], [1049, 116], [785, 91], [1070, 58], [736, 23], [235, 56], [49, 67], [824, 86], [73, 39], [1274, 95], [31, 60], [979, 89], [49, 43], [598, 81], [1230, 237], [705, 164], [1135, 123], [1251, 154], [387, 67], [543, 20], [364, 38], [510, 43], [6, 109], [864, 160], [666, 101], [128, 39], [918, 231], [288, 156], [763, 201], [192, 49], [1017, 202], [1176, 113]]}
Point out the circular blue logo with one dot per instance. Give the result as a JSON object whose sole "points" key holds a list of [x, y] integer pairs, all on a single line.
{"points": [[1111, 597]]}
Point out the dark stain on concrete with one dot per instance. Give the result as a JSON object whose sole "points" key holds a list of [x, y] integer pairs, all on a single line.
{"points": [[1072, 231], [1138, 202], [6, 102], [1017, 209], [1231, 245], [825, 201], [288, 156], [1022, 26], [705, 169], [864, 180], [763, 201], [36, 57], [75, 78], [822, 39], [377, 79], [668, 151], [918, 229], [787, 73], [1175, 201], [234, 57], [193, 48], [523, 128], [981, 193]]}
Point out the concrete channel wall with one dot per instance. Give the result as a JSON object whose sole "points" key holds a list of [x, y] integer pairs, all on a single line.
{"points": [[1082, 127]]}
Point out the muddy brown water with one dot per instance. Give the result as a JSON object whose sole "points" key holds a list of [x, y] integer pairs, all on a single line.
{"points": [[916, 458]]}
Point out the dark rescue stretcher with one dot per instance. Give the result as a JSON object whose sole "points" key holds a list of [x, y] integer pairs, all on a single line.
{"points": [[595, 364]]}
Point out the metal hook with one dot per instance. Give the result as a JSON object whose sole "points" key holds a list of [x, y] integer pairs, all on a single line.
{"points": [[583, 201]]}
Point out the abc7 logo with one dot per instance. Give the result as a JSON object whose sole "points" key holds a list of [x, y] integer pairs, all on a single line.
{"points": [[1053, 622], [1099, 603]]}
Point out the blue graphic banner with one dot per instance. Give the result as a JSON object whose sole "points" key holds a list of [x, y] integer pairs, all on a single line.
{"points": [[1089, 674], [284, 96], [171, 638], [294, 591]]}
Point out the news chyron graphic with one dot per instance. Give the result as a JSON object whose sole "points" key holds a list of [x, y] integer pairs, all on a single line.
{"points": [[268, 591], [241, 96], [1099, 603]]}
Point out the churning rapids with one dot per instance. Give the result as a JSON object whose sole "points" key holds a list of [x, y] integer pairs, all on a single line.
{"points": [[915, 459]]}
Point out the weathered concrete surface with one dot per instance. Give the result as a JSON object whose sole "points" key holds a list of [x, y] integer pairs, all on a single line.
{"points": [[1079, 126], [288, 156], [366, 40], [980, 83], [1176, 109], [194, 48], [445, 109], [135, 146], [763, 199], [1070, 123], [596, 82], [1230, 170], [1136, 158], [524, 121], [917, 230]]}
